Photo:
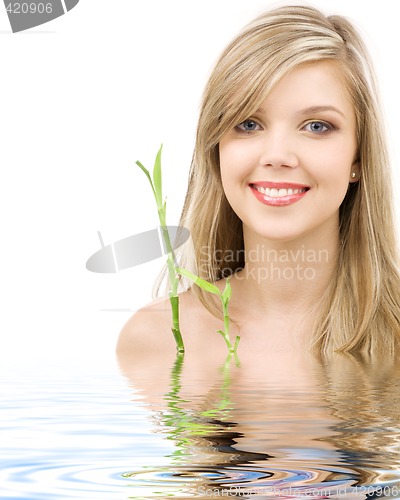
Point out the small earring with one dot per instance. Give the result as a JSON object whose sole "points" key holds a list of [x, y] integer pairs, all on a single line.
{"points": [[353, 175]]}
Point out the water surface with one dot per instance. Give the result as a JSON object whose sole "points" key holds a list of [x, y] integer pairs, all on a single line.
{"points": [[322, 430]]}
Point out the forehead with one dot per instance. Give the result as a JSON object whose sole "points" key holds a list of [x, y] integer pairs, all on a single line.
{"points": [[311, 85]]}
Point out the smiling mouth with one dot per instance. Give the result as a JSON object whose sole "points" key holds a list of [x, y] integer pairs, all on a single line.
{"points": [[278, 194]]}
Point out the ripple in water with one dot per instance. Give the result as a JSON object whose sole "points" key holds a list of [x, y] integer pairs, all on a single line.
{"points": [[235, 481], [251, 482], [92, 439]]}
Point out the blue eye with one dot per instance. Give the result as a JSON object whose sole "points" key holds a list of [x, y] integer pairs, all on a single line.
{"points": [[318, 127], [248, 126]]}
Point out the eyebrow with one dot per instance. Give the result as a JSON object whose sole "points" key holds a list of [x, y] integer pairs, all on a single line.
{"points": [[318, 109]]}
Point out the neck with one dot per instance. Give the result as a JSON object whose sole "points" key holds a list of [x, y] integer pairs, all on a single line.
{"points": [[285, 276]]}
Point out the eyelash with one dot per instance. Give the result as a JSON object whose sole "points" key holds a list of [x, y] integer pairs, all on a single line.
{"points": [[328, 126], [241, 130]]}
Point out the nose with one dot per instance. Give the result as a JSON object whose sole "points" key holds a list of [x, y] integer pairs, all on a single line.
{"points": [[278, 150]]}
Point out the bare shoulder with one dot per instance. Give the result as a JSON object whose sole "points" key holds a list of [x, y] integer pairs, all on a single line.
{"points": [[149, 329]]}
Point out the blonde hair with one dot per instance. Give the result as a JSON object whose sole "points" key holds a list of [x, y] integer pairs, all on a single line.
{"points": [[360, 310]]}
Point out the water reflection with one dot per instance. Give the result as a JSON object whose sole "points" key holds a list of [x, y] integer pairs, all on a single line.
{"points": [[364, 395], [206, 434], [329, 429]]}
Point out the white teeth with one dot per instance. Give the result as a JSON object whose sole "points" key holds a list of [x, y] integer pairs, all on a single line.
{"points": [[276, 193]]}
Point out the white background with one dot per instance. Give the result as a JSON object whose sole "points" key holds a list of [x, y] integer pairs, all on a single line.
{"points": [[84, 97]]}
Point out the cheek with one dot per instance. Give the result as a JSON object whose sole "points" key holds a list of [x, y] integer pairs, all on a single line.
{"points": [[333, 165], [232, 172], [228, 162], [236, 161]]}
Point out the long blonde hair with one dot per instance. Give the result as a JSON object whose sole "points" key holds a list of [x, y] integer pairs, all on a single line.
{"points": [[360, 310]]}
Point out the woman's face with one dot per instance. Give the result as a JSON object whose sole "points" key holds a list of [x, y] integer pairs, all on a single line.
{"points": [[286, 169]]}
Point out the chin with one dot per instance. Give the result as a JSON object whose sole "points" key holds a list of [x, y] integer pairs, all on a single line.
{"points": [[278, 234], [293, 230], [281, 238]]}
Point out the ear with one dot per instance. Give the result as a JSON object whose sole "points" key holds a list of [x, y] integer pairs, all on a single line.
{"points": [[355, 172]]}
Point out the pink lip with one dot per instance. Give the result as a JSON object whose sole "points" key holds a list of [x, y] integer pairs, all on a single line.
{"points": [[279, 201], [277, 185]]}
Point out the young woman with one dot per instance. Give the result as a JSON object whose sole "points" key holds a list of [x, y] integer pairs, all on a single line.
{"points": [[290, 195]]}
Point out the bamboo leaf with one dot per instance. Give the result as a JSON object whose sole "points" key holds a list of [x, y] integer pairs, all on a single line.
{"points": [[157, 178], [226, 294], [147, 173], [205, 285]]}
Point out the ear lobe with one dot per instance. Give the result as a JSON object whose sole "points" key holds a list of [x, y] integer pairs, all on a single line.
{"points": [[355, 172]]}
